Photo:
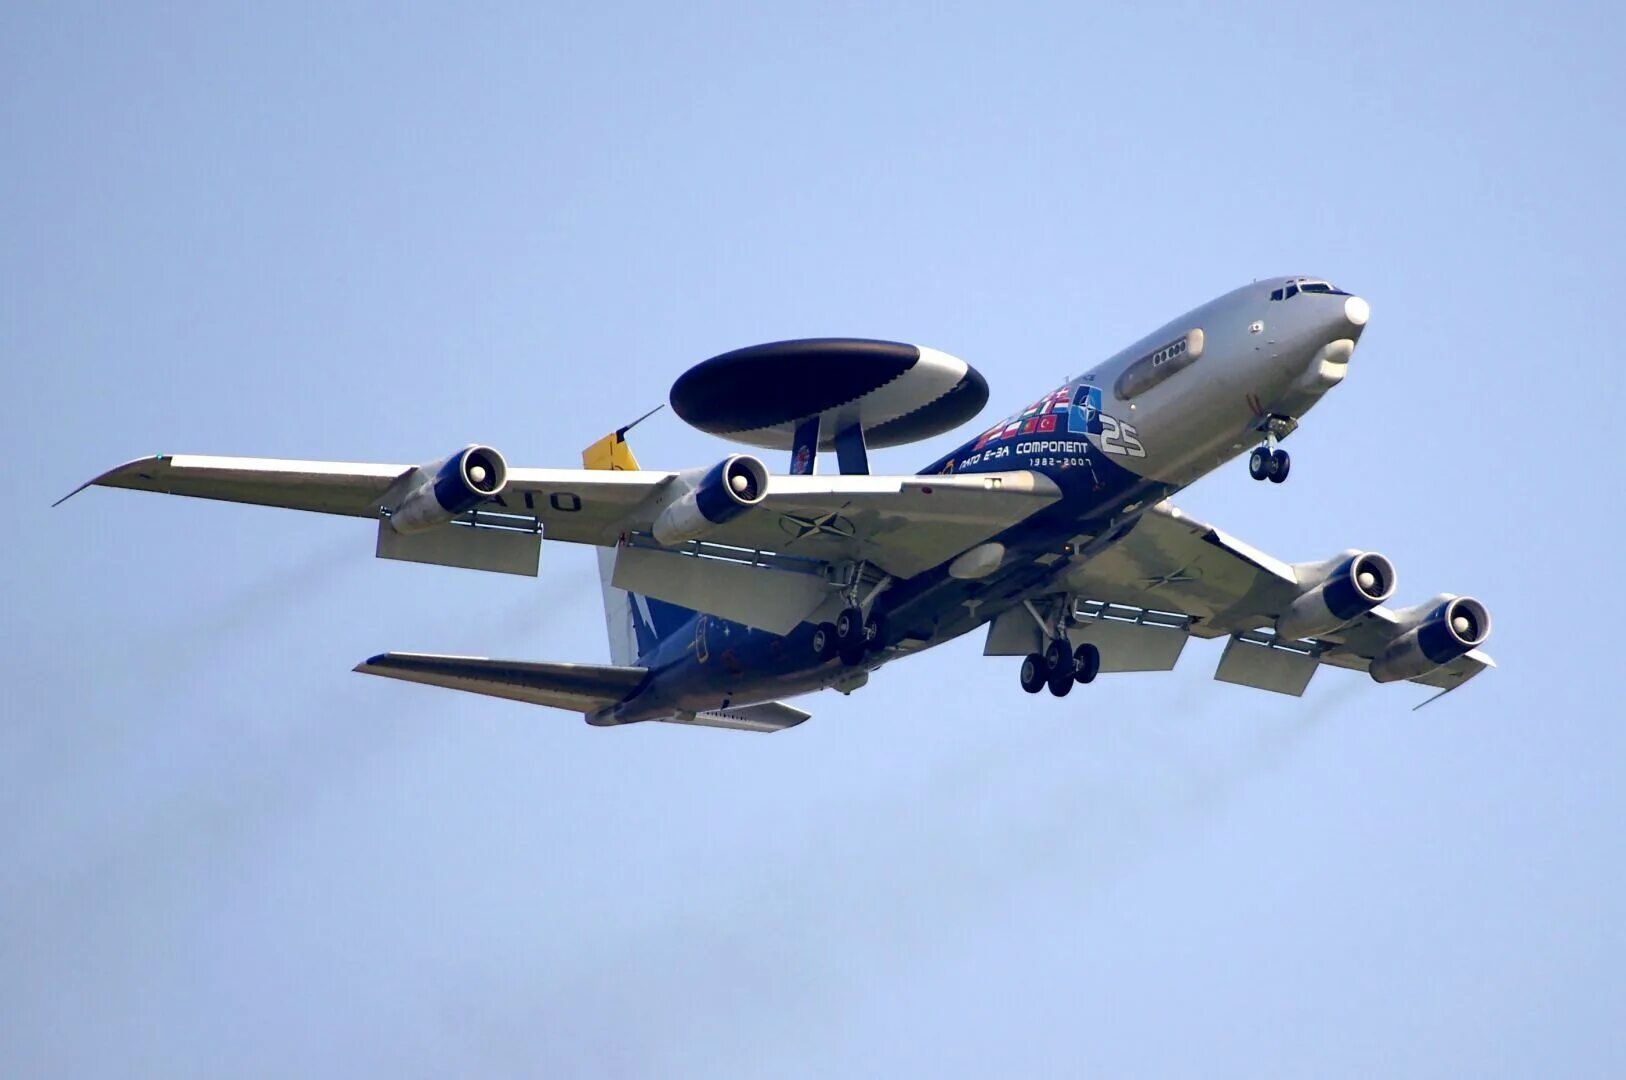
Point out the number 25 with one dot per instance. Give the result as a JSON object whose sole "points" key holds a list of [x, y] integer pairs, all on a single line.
{"points": [[1119, 438]]}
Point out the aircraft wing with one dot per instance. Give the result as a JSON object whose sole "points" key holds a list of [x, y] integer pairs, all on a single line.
{"points": [[902, 524], [585, 506], [326, 487], [1172, 562]]}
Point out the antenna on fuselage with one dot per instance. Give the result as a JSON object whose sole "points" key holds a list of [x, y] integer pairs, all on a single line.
{"points": [[612, 452], [621, 433]]}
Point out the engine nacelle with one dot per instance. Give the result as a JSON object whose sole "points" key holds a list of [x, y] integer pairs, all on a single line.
{"points": [[1356, 582], [451, 487], [725, 491], [1451, 628]]}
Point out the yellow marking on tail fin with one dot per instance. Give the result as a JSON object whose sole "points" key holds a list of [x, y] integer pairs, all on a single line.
{"points": [[610, 452]]}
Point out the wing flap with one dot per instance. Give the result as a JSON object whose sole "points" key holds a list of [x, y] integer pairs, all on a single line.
{"points": [[583, 688], [1129, 640], [772, 600], [501, 551], [1281, 671]]}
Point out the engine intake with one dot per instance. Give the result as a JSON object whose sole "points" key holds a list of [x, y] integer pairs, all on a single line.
{"points": [[451, 486], [1357, 582], [1454, 627], [724, 492]]}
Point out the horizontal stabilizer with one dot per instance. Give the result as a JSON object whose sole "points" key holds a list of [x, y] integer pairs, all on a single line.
{"points": [[770, 716], [583, 688]]}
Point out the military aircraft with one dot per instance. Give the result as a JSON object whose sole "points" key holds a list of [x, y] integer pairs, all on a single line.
{"points": [[729, 588]]}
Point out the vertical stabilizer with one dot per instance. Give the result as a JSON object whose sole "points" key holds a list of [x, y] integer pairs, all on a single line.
{"points": [[617, 612], [636, 623]]}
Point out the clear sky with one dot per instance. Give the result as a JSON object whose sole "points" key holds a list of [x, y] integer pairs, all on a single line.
{"points": [[379, 232]]}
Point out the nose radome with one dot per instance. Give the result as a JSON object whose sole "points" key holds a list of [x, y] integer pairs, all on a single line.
{"points": [[1357, 311]]}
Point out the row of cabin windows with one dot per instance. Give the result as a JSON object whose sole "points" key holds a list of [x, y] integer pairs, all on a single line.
{"points": [[1293, 288]]}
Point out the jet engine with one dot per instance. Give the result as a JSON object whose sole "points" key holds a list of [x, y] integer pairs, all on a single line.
{"points": [[1346, 586], [724, 492], [450, 487], [1435, 634]]}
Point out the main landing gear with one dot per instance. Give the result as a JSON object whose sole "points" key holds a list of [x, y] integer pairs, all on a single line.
{"points": [[1268, 461], [850, 636], [1059, 667]]}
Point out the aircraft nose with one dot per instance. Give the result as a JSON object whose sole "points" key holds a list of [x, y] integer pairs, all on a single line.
{"points": [[1357, 311]]}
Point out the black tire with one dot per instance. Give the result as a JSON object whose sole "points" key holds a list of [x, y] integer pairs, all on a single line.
{"points": [[825, 644], [849, 626], [1259, 463], [1061, 682], [1034, 675], [1058, 658], [1086, 663], [1280, 463]]}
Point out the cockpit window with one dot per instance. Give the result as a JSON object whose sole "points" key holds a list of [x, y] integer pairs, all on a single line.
{"points": [[1298, 285]]}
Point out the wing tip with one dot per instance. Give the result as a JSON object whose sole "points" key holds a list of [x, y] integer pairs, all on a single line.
{"points": [[114, 471]]}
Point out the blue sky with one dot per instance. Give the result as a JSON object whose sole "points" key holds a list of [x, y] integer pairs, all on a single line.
{"points": [[345, 232]]}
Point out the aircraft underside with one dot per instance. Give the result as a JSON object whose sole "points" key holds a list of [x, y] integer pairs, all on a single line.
{"points": [[730, 587]]}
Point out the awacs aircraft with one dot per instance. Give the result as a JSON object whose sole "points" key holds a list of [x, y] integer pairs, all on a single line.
{"points": [[727, 588]]}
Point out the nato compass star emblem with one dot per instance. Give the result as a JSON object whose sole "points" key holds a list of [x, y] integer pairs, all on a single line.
{"points": [[1173, 577], [831, 524]]}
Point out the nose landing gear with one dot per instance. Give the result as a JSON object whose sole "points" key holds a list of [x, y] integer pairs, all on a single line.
{"points": [[1272, 465], [1268, 461]]}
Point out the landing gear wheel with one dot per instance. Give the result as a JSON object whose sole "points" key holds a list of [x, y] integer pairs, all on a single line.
{"points": [[1058, 658], [825, 644], [1259, 463], [875, 633], [1033, 673], [1061, 680], [1086, 663], [1280, 463], [850, 636]]}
